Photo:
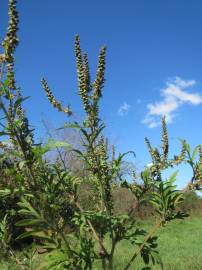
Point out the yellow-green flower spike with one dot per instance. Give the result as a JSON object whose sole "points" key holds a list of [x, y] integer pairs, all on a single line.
{"points": [[82, 75], [10, 42], [99, 81], [165, 145], [56, 104]]}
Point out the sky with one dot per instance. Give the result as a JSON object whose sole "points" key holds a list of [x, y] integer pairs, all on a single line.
{"points": [[153, 66]]}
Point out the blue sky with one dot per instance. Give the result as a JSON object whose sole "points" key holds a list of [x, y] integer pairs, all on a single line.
{"points": [[154, 52]]}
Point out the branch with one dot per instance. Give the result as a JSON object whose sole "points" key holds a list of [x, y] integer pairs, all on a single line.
{"points": [[95, 235], [138, 251]]}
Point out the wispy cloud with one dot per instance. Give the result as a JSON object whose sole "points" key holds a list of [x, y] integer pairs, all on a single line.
{"points": [[124, 109], [173, 95]]}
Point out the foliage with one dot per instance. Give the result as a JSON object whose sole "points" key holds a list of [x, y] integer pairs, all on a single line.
{"points": [[4, 235], [196, 166], [172, 244], [45, 196]]}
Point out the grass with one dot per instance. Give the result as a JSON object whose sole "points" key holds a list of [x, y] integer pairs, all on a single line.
{"points": [[180, 248]]}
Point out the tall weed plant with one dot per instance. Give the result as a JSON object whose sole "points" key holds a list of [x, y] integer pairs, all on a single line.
{"points": [[40, 200]]}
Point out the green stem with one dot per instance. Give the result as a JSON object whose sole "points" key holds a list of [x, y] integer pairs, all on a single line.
{"points": [[111, 256], [138, 251], [95, 235]]}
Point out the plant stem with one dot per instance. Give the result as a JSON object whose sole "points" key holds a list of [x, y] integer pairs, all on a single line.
{"points": [[138, 251], [95, 235], [15, 131]]}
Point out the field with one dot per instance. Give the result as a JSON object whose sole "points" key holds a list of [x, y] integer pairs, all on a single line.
{"points": [[179, 244]]}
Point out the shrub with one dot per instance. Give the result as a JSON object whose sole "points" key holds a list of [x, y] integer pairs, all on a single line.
{"points": [[48, 206]]}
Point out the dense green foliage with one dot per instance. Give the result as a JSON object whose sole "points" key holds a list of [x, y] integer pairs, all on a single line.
{"points": [[41, 201]]}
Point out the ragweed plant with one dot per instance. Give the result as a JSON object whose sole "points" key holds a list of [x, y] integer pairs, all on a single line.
{"points": [[101, 221], [162, 193], [45, 196], [196, 181]]}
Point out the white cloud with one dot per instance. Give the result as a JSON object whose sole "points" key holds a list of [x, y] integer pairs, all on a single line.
{"points": [[173, 96], [124, 109]]}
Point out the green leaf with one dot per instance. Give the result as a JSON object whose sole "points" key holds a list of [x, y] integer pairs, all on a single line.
{"points": [[28, 222], [195, 151], [4, 133], [173, 176], [5, 192], [70, 125], [56, 260], [39, 234]]}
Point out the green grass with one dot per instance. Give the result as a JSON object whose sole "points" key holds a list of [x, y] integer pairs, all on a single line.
{"points": [[180, 247]]}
